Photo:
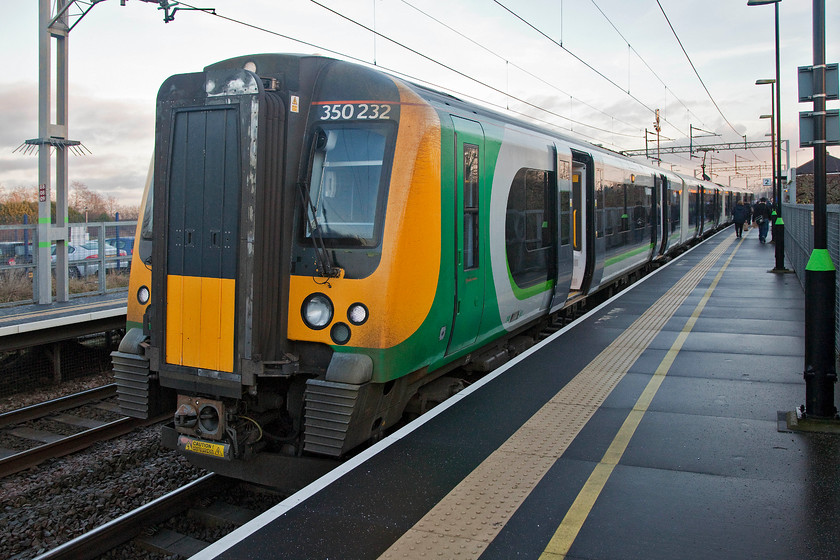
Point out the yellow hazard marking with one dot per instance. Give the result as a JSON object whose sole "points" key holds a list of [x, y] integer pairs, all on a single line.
{"points": [[200, 317], [467, 519], [567, 532], [205, 448]]}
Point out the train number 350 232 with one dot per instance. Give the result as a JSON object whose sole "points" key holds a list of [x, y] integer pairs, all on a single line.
{"points": [[348, 111]]}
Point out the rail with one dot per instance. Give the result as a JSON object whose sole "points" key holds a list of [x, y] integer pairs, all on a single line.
{"points": [[123, 529], [57, 405], [95, 431]]}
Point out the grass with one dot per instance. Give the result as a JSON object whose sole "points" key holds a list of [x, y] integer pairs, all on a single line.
{"points": [[16, 286]]}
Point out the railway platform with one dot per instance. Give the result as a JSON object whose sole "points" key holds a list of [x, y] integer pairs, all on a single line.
{"points": [[652, 427], [23, 326]]}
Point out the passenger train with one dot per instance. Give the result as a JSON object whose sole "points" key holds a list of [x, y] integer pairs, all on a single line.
{"points": [[321, 243]]}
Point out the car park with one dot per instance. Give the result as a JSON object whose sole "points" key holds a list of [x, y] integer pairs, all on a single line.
{"points": [[83, 259], [124, 243], [15, 252]]}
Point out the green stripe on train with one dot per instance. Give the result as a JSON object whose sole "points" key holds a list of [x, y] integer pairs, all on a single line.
{"points": [[626, 255]]}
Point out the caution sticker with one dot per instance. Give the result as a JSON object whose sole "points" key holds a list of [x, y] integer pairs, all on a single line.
{"points": [[201, 447]]}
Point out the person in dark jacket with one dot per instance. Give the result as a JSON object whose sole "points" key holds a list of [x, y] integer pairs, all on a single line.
{"points": [[748, 208], [761, 217], [739, 216]]}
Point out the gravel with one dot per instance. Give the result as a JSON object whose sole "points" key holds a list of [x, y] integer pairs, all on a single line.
{"points": [[61, 499], [45, 506], [21, 400]]}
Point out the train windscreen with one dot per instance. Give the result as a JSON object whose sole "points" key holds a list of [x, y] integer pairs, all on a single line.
{"points": [[347, 190]]}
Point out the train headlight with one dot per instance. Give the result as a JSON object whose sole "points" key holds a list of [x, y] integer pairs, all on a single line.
{"points": [[357, 314], [317, 311], [143, 295], [340, 333]]}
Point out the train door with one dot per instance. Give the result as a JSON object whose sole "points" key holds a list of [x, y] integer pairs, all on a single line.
{"points": [[655, 218], [470, 257], [663, 190], [563, 200], [695, 210], [583, 221], [202, 225]]}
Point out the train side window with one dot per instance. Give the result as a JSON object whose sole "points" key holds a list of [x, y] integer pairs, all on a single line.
{"points": [[675, 210], [471, 198], [577, 203], [148, 214], [529, 224], [565, 216]]}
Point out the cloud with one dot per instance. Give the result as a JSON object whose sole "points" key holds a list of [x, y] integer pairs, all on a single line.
{"points": [[18, 113], [119, 133]]}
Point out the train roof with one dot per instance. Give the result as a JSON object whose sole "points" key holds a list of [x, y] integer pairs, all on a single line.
{"points": [[282, 62]]}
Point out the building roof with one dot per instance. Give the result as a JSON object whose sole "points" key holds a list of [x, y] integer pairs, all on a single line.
{"points": [[832, 165]]}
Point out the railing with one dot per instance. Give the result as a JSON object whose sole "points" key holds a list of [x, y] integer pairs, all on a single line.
{"points": [[799, 243], [98, 259]]}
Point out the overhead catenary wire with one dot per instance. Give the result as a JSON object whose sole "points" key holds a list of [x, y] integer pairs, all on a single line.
{"points": [[631, 48], [585, 63], [463, 74], [518, 67], [652, 71], [410, 77], [696, 73]]}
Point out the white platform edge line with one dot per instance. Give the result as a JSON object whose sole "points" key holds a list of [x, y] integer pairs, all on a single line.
{"points": [[62, 321], [313, 488]]}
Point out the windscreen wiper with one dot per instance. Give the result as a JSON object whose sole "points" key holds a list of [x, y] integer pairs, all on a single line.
{"points": [[325, 266]]}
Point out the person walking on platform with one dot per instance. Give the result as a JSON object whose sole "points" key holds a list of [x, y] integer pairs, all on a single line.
{"points": [[748, 209], [761, 217], [739, 216]]}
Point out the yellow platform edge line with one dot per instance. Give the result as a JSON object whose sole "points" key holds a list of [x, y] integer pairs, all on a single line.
{"points": [[560, 544], [439, 529]]}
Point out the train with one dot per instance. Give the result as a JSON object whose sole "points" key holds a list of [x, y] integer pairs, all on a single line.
{"points": [[322, 244]]}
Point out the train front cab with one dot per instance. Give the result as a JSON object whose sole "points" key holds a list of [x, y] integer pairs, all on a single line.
{"points": [[289, 300]]}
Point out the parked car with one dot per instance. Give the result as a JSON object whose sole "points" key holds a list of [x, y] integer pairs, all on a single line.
{"points": [[15, 252], [83, 260], [124, 243]]}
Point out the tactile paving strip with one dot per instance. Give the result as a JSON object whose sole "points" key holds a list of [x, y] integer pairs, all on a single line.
{"points": [[467, 519]]}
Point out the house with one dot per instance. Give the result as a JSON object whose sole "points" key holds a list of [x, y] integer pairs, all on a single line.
{"points": [[802, 182]]}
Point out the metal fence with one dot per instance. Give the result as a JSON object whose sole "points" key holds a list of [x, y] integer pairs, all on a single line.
{"points": [[98, 259], [799, 243]]}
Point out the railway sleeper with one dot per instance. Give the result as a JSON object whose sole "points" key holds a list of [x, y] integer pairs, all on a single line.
{"points": [[170, 543], [218, 514]]}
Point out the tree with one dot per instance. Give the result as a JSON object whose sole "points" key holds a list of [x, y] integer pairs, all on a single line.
{"points": [[17, 202], [83, 203], [11, 213], [88, 203]]}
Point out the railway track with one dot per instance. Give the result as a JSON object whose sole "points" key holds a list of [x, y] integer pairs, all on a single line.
{"points": [[148, 528], [35, 428]]}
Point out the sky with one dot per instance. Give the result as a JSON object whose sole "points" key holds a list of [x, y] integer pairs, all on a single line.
{"points": [[597, 69]]}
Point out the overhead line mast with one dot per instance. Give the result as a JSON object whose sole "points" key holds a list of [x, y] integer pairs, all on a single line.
{"points": [[53, 135], [690, 149]]}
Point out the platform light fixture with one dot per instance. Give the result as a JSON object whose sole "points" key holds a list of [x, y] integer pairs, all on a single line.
{"points": [[773, 134], [777, 161]]}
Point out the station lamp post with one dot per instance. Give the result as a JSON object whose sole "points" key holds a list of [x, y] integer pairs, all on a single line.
{"points": [[777, 181], [773, 153], [820, 273], [772, 117]]}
